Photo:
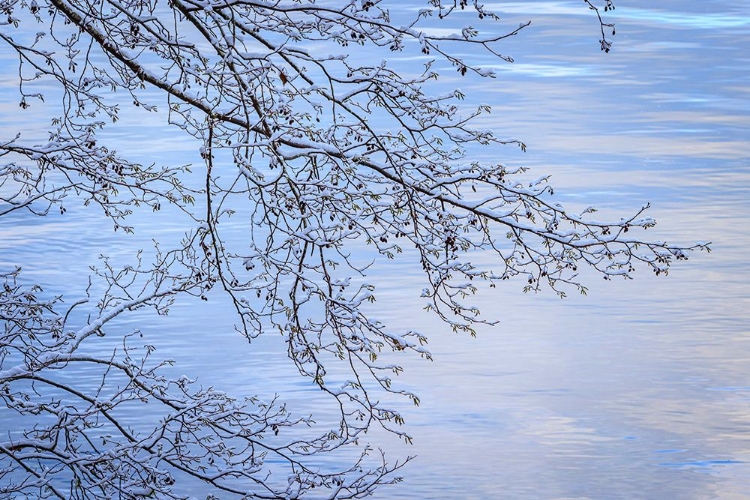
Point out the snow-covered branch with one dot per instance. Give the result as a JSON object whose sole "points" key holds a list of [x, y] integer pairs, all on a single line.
{"points": [[305, 120]]}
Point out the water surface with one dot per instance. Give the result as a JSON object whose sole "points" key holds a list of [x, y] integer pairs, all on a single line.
{"points": [[640, 389]]}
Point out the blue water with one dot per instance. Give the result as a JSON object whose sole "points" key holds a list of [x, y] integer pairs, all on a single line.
{"points": [[638, 390]]}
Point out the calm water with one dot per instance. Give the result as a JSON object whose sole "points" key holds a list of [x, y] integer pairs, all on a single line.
{"points": [[639, 390]]}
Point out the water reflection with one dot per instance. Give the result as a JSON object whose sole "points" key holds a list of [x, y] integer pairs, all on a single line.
{"points": [[639, 390]]}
